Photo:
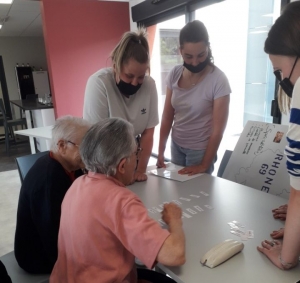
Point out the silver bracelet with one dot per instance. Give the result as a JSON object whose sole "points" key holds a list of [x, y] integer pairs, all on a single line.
{"points": [[285, 265]]}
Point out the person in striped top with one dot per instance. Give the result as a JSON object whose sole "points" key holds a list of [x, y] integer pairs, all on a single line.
{"points": [[283, 47]]}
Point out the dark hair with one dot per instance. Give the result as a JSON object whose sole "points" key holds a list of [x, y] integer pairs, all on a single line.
{"points": [[284, 36], [132, 45], [194, 32]]}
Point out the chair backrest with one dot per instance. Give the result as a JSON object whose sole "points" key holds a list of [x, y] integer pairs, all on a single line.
{"points": [[2, 110], [224, 162], [17, 274], [24, 163]]}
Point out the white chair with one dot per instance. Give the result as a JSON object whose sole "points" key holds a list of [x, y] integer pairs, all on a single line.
{"points": [[17, 274]]}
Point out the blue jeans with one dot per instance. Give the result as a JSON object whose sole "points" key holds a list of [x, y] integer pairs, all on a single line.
{"points": [[188, 157]]}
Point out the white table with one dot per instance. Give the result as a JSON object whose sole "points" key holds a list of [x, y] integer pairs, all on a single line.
{"points": [[41, 132], [230, 201], [43, 115]]}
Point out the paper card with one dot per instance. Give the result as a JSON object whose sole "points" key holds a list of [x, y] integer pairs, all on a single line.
{"points": [[232, 225], [238, 230], [157, 209], [208, 206], [186, 215], [171, 172], [250, 234], [151, 210], [194, 196], [235, 233], [198, 208], [238, 224], [204, 193], [186, 199], [177, 202], [191, 211]]}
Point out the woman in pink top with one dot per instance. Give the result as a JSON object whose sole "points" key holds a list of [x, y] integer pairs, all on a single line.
{"points": [[196, 105], [103, 225]]}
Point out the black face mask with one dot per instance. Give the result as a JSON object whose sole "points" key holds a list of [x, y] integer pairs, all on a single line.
{"points": [[198, 68], [127, 88], [286, 84]]}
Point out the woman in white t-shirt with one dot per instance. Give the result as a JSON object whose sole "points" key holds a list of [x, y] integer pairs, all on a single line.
{"points": [[126, 91], [196, 105], [283, 47]]}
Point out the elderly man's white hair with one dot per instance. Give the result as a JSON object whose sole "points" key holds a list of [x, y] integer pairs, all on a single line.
{"points": [[67, 128], [106, 144]]}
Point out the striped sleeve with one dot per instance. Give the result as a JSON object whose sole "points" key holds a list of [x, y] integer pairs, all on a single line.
{"points": [[292, 150]]}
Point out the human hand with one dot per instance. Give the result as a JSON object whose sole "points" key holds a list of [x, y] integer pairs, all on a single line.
{"points": [[160, 162], [171, 212], [272, 250], [280, 212], [192, 170], [277, 234], [140, 177]]}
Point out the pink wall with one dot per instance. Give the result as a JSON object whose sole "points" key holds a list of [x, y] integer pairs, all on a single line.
{"points": [[79, 36]]}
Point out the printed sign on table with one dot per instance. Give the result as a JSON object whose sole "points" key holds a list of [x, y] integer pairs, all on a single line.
{"points": [[258, 160], [171, 172]]}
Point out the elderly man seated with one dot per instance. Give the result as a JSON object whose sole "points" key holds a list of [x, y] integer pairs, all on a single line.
{"points": [[103, 225], [42, 193]]}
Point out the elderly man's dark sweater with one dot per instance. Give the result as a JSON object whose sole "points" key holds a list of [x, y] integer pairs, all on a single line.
{"points": [[38, 216]]}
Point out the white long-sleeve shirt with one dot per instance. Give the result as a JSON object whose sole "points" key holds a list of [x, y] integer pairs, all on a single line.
{"points": [[292, 150]]}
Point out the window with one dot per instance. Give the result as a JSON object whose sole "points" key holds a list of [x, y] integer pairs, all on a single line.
{"points": [[164, 56], [237, 41]]}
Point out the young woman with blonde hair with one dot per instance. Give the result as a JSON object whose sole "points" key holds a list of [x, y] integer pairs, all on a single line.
{"points": [[127, 91]]}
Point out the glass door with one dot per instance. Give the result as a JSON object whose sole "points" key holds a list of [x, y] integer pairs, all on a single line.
{"points": [[237, 42], [237, 30], [164, 44], [238, 49]]}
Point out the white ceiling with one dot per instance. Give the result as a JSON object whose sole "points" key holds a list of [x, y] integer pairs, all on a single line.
{"points": [[24, 18]]}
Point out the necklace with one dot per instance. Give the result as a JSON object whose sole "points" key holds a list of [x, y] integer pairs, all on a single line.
{"points": [[199, 78], [195, 82]]}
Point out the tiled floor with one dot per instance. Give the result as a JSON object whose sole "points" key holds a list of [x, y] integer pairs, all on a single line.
{"points": [[7, 162]]}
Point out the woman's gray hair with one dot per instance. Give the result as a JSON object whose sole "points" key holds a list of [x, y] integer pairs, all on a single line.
{"points": [[106, 144], [67, 128]]}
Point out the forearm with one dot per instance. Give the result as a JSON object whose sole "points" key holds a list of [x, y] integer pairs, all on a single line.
{"points": [[146, 145], [172, 252], [220, 117], [177, 239], [211, 150], [165, 129], [291, 242], [175, 228]]}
